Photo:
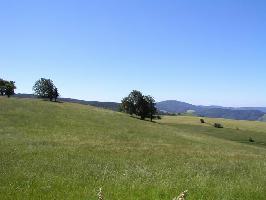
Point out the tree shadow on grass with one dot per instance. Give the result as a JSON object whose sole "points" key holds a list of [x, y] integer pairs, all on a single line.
{"points": [[146, 120]]}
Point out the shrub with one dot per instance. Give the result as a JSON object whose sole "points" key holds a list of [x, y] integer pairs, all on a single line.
{"points": [[202, 121], [251, 139], [217, 125]]}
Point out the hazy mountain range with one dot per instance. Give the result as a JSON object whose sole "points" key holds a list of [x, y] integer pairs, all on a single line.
{"points": [[175, 107], [239, 113]]}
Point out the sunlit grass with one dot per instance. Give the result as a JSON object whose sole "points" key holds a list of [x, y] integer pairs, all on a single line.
{"points": [[69, 151]]}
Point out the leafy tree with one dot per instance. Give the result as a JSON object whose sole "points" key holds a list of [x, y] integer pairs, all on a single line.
{"points": [[152, 110], [127, 106], [7, 87], [55, 94], [45, 88], [138, 104], [2, 87]]}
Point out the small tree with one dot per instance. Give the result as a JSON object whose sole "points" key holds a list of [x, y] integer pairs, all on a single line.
{"points": [[218, 125], [2, 87], [151, 106], [55, 94], [45, 88], [138, 104], [10, 88], [127, 106], [7, 87], [202, 121]]}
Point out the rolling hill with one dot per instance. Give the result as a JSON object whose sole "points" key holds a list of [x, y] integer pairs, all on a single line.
{"points": [[106, 105], [68, 151], [244, 113]]}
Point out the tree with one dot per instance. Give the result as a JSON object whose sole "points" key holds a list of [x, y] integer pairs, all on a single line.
{"points": [[55, 94], [45, 88], [10, 88], [152, 110], [2, 87], [138, 104], [127, 106], [7, 87]]}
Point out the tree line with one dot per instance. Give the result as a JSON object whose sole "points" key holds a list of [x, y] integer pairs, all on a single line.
{"points": [[43, 88], [135, 103]]}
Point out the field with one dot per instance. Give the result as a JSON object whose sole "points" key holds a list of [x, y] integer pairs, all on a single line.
{"points": [[68, 151]]}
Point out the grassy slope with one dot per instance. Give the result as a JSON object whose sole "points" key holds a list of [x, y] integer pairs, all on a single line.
{"points": [[234, 130], [68, 151]]}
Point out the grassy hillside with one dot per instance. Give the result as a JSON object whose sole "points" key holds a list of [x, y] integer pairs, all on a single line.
{"points": [[67, 151], [234, 130]]}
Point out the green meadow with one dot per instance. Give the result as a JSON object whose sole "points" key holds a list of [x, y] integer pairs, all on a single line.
{"points": [[68, 151]]}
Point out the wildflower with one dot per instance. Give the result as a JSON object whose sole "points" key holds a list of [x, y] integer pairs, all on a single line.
{"points": [[100, 194], [182, 196]]}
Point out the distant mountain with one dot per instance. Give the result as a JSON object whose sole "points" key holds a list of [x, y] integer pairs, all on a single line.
{"points": [[172, 106], [262, 109], [246, 113], [106, 105]]}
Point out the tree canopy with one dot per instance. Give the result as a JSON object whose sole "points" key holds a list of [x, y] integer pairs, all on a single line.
{"points": [[139, 104], [45, 88], [7, 87]]}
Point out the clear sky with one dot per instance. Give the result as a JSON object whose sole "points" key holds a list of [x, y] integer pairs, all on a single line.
{"points": [[210, 52]]}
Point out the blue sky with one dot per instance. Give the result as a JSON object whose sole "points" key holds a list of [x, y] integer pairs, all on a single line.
{"points": [[202, 52]]}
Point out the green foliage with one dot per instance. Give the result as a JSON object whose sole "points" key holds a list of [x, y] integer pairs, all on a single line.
{"points": [[2, 86], [202, 121], [127, 106], [151, 107], [251, 139], [55, 94], [218, 125], [138, 104], [68, 151], [45, 88], [7, 87]]}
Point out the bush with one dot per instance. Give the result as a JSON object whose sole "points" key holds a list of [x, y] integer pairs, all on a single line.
{"points": [[251, 139], [202, 121], [217, 125]]}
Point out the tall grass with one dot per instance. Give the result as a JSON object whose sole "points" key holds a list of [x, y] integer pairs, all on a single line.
{"points": [[65, 151]]}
